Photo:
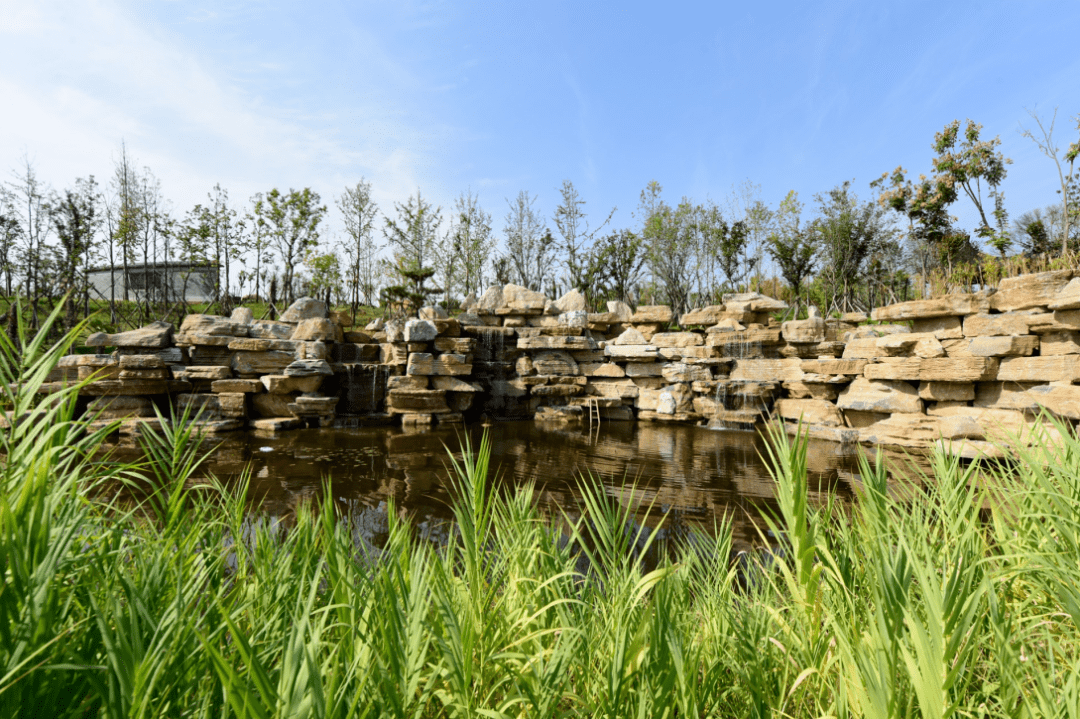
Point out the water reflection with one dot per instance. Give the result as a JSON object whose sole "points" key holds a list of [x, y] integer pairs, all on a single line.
{"points": [[698, 474]]}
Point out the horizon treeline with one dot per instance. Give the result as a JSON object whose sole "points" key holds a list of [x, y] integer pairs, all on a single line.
{"points": [[842, 253]]}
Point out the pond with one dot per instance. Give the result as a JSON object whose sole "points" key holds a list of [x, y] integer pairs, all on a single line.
{"points": [[698, 474]]}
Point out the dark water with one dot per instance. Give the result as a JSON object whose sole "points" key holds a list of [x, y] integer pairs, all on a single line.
{"points": [[697, 474]]}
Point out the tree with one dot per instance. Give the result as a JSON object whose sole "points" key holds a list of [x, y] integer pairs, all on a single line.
{"points": [[227, 232], [76, 218], [671, 242], [792, 246], [291, 222], [193, 236], [358, 212], [1040, 231], [529, 245], [413, 234], [123, 220], [618, 260], [413, 237], [744, 201], [576, 236], [9, 237], [324, 273], [965, 161], [29, 197], [933, 239], [258, 242], [1045, 142], [850, 232], [474, 239]]}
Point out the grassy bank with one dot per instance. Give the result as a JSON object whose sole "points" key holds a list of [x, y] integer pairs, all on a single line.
{"points": [[190, 605]]}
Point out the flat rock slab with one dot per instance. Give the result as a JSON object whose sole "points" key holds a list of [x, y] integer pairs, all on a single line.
{"points": [[276, 424], [428, 401], [633, 353], [203, 373], [944, 328], [1069, 296], [944, 369], [947, 391], [232, 386], [270, 362], [676, 339], [752, 302], [1029, 291], [453, 384], [1060, 368], [155, 335], [424, 363], [307, 368], [555, 363], [1012, 346], [183, 339], [141, 362], [548, 342], [959, 304], [1001, 325], [1059, 343], [654, 314], [779, 370]]}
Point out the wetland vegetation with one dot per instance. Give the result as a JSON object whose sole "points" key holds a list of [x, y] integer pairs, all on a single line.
{"points": [[958, 598]]}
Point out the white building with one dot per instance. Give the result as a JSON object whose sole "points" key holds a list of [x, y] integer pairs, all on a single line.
{"points": [[194, 282]]}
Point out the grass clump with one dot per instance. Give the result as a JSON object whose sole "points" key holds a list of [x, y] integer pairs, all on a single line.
{"points": [[191, 605]]}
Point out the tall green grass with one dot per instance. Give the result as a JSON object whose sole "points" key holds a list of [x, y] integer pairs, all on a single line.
{"points": [[189, 604]]}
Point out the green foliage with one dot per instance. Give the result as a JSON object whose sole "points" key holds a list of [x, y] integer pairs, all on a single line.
{"points": [[793, 247], [291, 222]]}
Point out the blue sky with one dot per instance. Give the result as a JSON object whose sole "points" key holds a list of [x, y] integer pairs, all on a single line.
{"points": [[507, 96]]}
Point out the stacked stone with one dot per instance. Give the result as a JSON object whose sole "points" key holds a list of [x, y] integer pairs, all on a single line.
{"points": [[221, 370], [971, 372], [622, 362], [433, 387], [131, 382]]}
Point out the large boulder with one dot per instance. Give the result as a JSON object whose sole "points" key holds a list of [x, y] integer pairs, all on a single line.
{"points": [[620, 309], [303, 309], [523, 299], [270, 330], [808, 331], [572, 301], [420, 330], [491, 300], [213, 326], [554, 363], [312, 329]]}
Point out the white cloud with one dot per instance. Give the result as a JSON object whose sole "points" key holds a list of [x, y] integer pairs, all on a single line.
{"points": [[78, 78]]}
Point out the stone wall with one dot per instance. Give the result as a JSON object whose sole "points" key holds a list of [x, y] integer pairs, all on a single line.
{"points": [[965, 368]]}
